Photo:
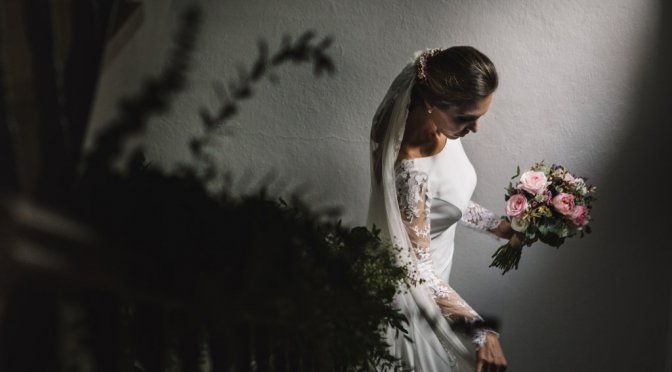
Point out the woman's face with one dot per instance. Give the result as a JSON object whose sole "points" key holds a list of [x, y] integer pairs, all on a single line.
{"points": [[457, 121]]}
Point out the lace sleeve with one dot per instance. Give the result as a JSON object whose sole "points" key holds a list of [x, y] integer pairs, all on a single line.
{"points": [[414, 204], [479, 218]]}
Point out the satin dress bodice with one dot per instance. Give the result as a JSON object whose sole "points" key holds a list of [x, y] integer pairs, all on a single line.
{"points": [[452, 180]]}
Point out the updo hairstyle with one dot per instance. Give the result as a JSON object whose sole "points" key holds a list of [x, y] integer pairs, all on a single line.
{"points": [[453, 77]]}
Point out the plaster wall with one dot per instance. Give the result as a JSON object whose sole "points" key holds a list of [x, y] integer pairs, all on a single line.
{"points": [[579, 86]]}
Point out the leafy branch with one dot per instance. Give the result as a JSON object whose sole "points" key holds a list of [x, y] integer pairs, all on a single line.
{"points": [[302, 50], [155, 96]]}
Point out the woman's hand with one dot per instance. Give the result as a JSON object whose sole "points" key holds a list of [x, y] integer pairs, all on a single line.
{"points": [[503, 230], [516, 239], [490, 357], [519, 240]]}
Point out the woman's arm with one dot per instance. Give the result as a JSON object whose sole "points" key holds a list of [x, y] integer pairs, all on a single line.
{"points": [[414, 206], [481, 219]]}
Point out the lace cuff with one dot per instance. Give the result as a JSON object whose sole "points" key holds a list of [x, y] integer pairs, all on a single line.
{"points": [[414, 206], [479, 218], [479, 336]]}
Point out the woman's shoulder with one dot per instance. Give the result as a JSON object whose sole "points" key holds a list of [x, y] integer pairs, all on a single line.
{"points": [[406, 166], [408, 173]]}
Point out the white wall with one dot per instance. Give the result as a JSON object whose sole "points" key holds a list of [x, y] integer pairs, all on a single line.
{"points": [[578, 82]]}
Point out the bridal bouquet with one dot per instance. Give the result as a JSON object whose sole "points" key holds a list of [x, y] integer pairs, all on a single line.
{"points": [[547, 203]]}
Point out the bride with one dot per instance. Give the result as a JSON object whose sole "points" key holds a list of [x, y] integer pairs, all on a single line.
{"points": [[422, 182]]}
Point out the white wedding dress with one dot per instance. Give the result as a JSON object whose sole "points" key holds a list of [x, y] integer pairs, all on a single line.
{"points": [[417, 203]]}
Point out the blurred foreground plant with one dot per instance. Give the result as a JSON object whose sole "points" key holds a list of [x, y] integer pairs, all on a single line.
{"points": [[258, 284]]}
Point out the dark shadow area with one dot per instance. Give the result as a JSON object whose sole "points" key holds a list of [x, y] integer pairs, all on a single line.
{"points": [[636, 216], [146, 271], [624, 326]]}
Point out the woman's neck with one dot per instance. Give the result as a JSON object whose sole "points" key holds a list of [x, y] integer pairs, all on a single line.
{"points": [[421, 138]]}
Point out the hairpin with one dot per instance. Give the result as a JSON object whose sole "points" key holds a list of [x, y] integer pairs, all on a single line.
{"points": [[422, 62]]}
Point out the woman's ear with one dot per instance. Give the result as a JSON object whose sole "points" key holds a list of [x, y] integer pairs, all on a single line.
{"points": [[428, 106]]}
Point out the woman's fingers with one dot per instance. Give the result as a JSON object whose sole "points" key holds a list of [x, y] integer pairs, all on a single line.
{"points": [[490, 356], [487, 367], [491, 364], [494, 367]]}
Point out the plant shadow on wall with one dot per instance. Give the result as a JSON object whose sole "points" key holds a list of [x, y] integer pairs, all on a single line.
{"points": [[161, 274]]}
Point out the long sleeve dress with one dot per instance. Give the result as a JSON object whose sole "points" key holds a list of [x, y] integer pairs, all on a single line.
{"points": [[434, 194]]}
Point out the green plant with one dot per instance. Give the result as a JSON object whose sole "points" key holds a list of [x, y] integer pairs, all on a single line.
{"points": [[261, 283]]}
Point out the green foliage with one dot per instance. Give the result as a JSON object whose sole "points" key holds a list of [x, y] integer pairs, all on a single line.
{"points": [[260, 282], [298, 288]]}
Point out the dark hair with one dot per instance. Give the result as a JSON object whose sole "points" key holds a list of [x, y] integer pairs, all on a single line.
{"points": [[455, 76]]}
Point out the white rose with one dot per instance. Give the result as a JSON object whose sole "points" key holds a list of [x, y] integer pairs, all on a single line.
{"points": [[519, 224]]}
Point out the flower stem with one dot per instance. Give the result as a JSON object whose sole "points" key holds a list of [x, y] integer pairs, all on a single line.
{"points": [[506, 258]]}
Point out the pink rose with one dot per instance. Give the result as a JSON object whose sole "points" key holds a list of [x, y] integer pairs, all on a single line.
{"points": [[534, 182], [516, 205], [564, 203], [580, 215]]}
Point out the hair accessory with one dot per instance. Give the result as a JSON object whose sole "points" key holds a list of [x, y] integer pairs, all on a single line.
{"points": [[422, 62]]}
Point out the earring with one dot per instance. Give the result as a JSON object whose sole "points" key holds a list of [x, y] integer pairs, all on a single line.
{"points": [[429, 111]]}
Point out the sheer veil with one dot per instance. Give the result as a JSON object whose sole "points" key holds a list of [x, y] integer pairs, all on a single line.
{"points": [[386, 135]]}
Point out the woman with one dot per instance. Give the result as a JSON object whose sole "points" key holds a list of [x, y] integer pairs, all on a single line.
{"points": [[422, 183]]}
